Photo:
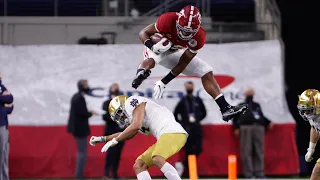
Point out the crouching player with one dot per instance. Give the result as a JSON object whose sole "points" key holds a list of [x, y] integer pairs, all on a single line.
{"points": [[309, 110], [140, 114]]}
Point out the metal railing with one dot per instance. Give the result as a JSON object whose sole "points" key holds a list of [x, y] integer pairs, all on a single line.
{"points": [[203, 5], [239, 32]]}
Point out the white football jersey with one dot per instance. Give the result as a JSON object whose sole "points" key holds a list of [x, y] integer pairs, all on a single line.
{"points": [[157, 119], [315, 123]]}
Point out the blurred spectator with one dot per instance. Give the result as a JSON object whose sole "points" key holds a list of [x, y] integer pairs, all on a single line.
{"points": [[6, 107], [134, 13], [189, 112], [114, 154], [78, 125], [251, 129]]}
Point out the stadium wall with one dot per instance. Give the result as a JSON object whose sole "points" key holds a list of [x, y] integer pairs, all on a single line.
{"points": [[43, 79], [68, 30]]}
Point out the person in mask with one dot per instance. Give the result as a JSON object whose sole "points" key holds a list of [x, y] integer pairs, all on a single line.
{"points": [[114, 154], [250, 127], [6, 108], [189, 112], [78, 125]]}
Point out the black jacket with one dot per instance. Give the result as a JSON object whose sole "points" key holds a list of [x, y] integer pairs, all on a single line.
{"points": [[78, 124], [4, 111], [111, 126], [251, 116], [182, 114]]}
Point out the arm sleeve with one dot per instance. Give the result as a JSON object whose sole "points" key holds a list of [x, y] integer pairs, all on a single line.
{"points": [[203, 111], [267, 121], [3, 88], [81, 107], [6, 99], [9, 110], [106, 115], [177, 111], [235, 122]]}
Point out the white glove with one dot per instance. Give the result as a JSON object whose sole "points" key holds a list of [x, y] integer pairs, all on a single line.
{"points": [[158, 89], [159, 48], [109, 144], [308, 157], [95, 139]]}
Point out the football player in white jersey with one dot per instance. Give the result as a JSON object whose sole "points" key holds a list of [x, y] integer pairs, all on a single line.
{"points": [[309, 109], [140, 114]]}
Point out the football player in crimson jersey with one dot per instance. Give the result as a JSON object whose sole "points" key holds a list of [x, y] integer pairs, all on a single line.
{"points": [[187, 37]]}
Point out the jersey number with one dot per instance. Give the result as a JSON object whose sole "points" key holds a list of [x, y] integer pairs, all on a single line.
{"points": [[176, 47], [134, 102]]}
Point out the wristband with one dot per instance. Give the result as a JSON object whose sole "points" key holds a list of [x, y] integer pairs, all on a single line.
{"points": [[103, 138], [168, 78], [312, 145], [148, 43]]}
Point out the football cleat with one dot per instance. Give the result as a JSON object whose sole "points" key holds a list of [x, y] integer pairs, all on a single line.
{"points": [[140, 77], [233, 111]]}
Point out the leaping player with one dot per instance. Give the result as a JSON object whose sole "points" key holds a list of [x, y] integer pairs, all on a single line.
{"points": [[187, 37], [140, 114], [309, 110]]}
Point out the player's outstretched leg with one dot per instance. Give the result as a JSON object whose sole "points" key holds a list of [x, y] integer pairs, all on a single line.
{"points": [[316, 171], [168, 170], [141, 170], [143, 72], [211, 86]]}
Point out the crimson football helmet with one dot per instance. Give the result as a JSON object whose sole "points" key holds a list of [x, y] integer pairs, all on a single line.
{"points": [[188, 23]]}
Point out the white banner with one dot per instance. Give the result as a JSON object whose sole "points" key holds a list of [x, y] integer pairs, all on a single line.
{"points": [[43, 78]]}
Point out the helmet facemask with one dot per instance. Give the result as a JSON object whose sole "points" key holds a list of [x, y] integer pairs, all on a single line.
{"points": [[121, 117], [308, 112], [185, 33]]}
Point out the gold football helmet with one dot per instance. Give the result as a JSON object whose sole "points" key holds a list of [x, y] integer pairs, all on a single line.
{"points": [[117, 110], [309, 104]]}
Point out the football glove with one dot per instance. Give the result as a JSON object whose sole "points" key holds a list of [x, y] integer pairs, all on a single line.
{"points": [[96, 139], [109, 144], [158, 89], [159, 47], [308, 157]]}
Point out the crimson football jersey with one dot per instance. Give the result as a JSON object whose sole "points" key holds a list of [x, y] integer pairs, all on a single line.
{"points": [[166, 25]]}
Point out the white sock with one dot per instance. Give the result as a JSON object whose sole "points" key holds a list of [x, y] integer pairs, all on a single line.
{"points": [[144, 175], [170, 172]]}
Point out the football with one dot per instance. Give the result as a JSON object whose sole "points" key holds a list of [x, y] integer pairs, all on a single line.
{"points": [[157, 37]]}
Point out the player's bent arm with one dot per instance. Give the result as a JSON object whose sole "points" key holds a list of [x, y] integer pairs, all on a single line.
{"points": [[133, 128], [144, 34], [110, 137], [314, 136], [184, 60], [107, 138]]}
